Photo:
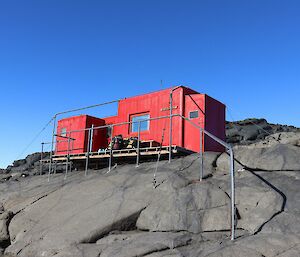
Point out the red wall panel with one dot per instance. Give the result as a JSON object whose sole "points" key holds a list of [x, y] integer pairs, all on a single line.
{"points": [[155, 104], [211, 116], [193, 102], [214, 123], [79, 145]]}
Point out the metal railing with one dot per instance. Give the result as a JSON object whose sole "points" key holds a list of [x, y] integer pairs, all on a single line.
{"points": [[69, 111], [201, 131]]}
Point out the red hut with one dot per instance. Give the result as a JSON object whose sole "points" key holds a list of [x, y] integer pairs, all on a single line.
{"points": [[200, 109]]}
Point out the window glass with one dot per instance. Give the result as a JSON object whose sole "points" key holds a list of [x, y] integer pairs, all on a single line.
{"points": [[63, 132], [144, 124], [194, 114]]}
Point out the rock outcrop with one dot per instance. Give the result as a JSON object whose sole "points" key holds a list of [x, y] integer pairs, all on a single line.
{"points": [[123, 213], [252, 130]]}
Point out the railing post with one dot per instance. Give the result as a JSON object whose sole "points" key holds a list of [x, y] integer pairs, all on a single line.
{"points": [[138, 145], [171, 126], [52, 146], [201, 155], [111, 146], [68, 158], [91, 138], [232, 194], [87, 153], [41, 161]]}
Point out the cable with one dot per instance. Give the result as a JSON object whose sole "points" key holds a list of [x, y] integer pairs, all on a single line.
{"points": [[35, 137], [158, 156]]}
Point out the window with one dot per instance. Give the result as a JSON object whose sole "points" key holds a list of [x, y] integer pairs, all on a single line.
{"points": [[144, 124], [63, 132], [194, 114]]}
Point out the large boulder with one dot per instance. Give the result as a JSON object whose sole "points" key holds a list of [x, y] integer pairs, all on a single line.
{"points": [[274, 158], [195, 208], [101, 214], [256, 201], [30, 163], [82, 212], [253, 130], [278, 157], [291, 138], [141, 243], [269, 244]]}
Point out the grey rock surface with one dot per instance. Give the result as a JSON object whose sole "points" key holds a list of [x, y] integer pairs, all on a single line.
{"points": [[277, 157], [253, 130], [194, 208], [5, 218], [122, 213]]}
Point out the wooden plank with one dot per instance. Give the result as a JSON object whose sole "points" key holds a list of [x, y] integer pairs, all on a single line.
{"points": [[146, 151]]}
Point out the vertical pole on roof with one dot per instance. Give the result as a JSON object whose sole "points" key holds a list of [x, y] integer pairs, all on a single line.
{"points": [[201, 155], [111, 146], [52, 146], [41, 161], [138, 145], [68, 158], [87, 152], [232, 194], [171, 126]]}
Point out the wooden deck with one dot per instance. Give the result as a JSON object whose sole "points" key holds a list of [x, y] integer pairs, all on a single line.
{"points": [[124, 153]]}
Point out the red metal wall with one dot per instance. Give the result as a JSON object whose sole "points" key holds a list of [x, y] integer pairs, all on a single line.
{"points": [[79, 145], [193, 102], [99, 135], [156, 104], [214, 123]]}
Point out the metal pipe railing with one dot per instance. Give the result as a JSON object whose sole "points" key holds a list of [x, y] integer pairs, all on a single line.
{"points": [[52, 145], [232, 177], [87, 153], [138, 145], [171, 121], [202, 133], [69, 111], [201, 156], [111, 146]]}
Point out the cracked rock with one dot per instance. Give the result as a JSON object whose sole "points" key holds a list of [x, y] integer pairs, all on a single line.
{"points": [[195, 208]]}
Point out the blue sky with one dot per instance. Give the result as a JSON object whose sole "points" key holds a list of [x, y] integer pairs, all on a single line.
{"points": [[61, 54]]}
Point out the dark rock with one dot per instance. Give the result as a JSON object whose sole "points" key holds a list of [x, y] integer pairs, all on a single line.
{"points": [[252, 130], [18, 163], [5, 218], [32, 158]]}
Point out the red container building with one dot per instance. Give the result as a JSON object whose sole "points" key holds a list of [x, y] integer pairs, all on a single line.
{"points": [[201, 109], [73, 128]]}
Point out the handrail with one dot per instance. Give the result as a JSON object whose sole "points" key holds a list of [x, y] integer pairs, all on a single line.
{"points": [[202, 130], [68, 111]]}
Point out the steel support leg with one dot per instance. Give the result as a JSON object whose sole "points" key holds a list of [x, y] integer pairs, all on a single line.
{"points": [[171, 127], [52, 147], [201, 155], [138, 145], [41, 162], [111, 146], [232, 182], [87, 153], [68, 158]]}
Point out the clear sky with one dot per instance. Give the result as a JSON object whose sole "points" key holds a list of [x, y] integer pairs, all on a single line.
{"points": [[61, 54]]}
